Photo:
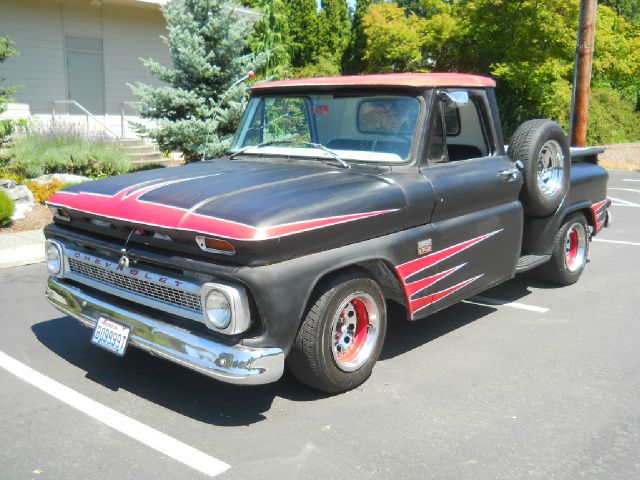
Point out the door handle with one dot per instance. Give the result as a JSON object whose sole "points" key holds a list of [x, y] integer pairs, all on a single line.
{"points": [[508, 175]]}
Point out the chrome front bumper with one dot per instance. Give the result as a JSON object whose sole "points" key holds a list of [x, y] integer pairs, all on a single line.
{"points": [[232, 364]]}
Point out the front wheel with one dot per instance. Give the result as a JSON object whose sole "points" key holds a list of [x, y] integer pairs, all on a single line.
{"points": [[341, 337], [570, 250]]}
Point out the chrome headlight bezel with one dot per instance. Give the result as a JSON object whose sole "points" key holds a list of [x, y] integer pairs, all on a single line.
{"points": [[53, 246], [238, 300]]}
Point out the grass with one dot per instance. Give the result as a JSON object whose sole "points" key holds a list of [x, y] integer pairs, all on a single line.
{"points": [[63, 148], [7, 207]]}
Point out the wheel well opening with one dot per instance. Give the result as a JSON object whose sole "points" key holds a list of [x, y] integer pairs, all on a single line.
{"points": [[379, 270]]}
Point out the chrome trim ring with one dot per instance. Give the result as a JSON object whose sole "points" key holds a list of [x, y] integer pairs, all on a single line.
{"points": [[354, 331], [575, 247], [550, 170]]}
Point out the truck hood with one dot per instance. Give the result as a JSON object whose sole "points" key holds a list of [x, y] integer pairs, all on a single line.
{"points": [[257, 206]]}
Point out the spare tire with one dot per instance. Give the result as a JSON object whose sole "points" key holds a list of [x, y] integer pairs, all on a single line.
{"points": [[542, 147]]}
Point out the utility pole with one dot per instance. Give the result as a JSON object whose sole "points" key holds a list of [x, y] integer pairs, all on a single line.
{"points": [[582, 72]]}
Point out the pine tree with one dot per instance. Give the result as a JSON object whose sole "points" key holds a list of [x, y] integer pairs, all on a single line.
{"points": [[6, 51], [302, 18], [334, 29], [271, 36], [353, 54], [197, 109]]}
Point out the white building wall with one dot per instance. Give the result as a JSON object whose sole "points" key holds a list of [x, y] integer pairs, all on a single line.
{"points": [[36, 29], [39, 28], [129, 36]]}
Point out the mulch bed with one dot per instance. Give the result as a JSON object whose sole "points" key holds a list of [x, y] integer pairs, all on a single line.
{"points": [[36, 219]]}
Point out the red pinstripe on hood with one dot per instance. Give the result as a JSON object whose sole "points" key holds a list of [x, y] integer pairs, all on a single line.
{"points": [[128, 206]]}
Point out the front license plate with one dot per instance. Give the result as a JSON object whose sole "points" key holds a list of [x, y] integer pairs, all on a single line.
{"points": [[111, 336]]}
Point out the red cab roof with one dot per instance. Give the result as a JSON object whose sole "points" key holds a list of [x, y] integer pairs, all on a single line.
{"points": [[384, 80]]}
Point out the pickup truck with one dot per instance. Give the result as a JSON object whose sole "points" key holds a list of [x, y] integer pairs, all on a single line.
{"points": [[337, 196]]}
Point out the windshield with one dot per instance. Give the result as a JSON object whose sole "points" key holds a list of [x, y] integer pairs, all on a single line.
{"points": [[372, 128]]}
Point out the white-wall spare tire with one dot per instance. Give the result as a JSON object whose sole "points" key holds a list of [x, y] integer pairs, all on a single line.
{"points": [[542, 147]]}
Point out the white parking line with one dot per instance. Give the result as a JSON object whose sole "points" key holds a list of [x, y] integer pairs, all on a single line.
{"points": [[505, 303], [624, 189], [630, 180], [622, 203], [151, 437], [621, 242]]}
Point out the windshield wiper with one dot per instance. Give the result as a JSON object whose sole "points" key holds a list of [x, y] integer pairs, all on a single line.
{"points": [[319, 146]]}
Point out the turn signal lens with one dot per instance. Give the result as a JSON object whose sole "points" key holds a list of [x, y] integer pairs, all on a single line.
{"points": [[60, 213], [215, 245]]}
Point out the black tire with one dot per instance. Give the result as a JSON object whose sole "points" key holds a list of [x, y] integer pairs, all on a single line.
{"points": [[542, 147], [314, 359], [566, 266]]}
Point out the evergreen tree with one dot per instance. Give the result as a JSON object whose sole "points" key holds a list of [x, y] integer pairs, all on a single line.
{"points": [[271, 36], [334, 29], [6, 51], [353, 54], [627, 8], [302, 18], [197, 109]]}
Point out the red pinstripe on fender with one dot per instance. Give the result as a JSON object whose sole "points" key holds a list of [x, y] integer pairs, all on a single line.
{"points": [[599, 214]]}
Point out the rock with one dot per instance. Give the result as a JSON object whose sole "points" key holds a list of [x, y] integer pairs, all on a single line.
{"points": [[19, 193], [21, 209], [61, 177], [7, 184]]}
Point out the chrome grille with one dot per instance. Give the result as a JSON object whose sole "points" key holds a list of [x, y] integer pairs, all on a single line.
{"points": [[163, 293]]}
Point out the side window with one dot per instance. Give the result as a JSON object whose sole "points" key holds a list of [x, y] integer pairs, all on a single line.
{"points": [[437, 152], [466, 132]]}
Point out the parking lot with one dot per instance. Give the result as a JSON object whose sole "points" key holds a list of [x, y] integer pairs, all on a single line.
{"points": [[526, 382]]}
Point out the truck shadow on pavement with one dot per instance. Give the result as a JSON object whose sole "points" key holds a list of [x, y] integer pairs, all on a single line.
{"points": [[206, 400]]}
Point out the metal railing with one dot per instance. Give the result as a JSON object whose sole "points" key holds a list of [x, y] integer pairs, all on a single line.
{"points": [[123, 115], [87, 113]]}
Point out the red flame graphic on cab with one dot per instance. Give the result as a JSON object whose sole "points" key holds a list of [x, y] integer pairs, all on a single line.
{"points": [[413, 289]]}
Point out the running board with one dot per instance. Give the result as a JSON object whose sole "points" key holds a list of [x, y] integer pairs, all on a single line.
{"points": [[527, 262]]}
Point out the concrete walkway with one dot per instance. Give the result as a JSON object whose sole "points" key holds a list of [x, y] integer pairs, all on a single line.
{"points": [[21, 248]]}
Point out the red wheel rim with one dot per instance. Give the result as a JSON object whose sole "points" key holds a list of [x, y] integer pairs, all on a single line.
{"points": [[572, 253], [575, 249], [361, 331], [355, 331]]}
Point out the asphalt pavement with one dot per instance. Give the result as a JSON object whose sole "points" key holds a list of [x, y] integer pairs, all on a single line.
{"points": [[544, 386]]}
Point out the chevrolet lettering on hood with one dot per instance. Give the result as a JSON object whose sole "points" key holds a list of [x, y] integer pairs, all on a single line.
{"points": [[337, 196]]}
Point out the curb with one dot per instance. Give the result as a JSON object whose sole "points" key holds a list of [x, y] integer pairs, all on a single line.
{"points": [[21, 248]]}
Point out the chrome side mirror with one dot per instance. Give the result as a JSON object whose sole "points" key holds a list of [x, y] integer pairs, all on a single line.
{"points": [[456, 99]]}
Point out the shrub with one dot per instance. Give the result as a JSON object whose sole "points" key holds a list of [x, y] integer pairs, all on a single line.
{"points": [[43, 191], [64, 148], [7, 207]]}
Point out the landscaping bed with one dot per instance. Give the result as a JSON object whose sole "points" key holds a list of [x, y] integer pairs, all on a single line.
{"points": [[36, 219]]}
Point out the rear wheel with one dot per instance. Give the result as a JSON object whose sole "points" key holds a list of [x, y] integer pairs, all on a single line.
{"points": [[341, 337], [570, 251]]}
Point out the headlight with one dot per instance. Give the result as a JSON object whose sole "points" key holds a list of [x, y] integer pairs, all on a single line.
{"points": [[218, 309], [53, 255]]}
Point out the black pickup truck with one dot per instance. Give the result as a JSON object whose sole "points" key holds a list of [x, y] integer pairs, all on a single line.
{"points": [[337, 196]]}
